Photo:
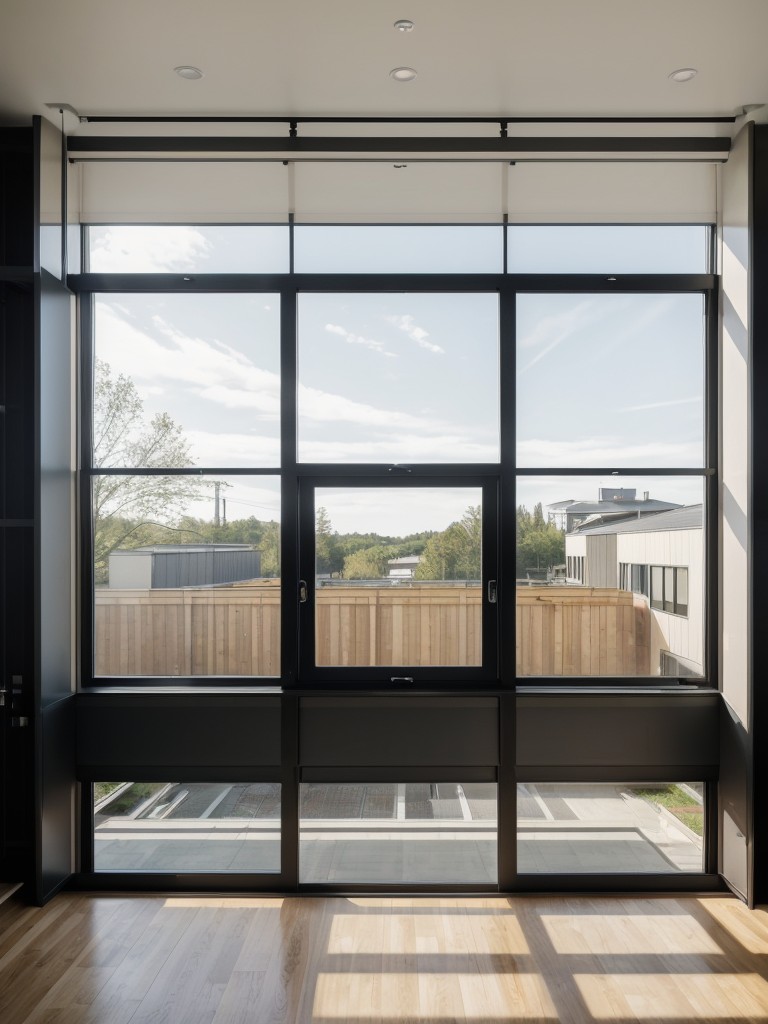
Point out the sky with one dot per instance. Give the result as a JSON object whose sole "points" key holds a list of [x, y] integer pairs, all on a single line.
{"points": [[602, 380]]}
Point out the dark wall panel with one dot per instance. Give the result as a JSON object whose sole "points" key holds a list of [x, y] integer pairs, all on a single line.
{"points": [[57, 792], [164, 730], [391, 731], [17, 198], [56, 490], [595, 731]]}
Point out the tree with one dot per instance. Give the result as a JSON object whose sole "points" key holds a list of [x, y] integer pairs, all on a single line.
{"points": [[368, 563], [328, 557], [126, 507], [540, 544], [455, 553]]}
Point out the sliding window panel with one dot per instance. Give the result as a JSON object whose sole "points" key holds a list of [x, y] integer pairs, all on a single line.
{"points": [[398, 833], [194, 827], [186, 380], [606, 828], [187, 575], [610, 380], [611, 576], [398, 378]]}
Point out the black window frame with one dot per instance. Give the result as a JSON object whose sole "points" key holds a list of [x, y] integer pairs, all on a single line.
{"points": [[297, 477]]}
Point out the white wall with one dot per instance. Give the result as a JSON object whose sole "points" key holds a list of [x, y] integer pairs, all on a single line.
{"points": [[679, 634]]}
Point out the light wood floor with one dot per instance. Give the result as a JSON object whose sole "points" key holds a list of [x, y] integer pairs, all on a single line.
{"points": [[162, 960]]}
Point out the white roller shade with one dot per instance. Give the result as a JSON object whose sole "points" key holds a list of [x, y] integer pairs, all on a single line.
{"points": [[606, 193], [137, 192], [397, 191]]}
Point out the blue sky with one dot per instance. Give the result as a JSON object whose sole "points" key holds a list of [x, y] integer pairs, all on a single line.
{"points": [[603, 380]]}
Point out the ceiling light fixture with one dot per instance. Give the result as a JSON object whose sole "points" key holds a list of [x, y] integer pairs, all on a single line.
{"points": [[188, 72], [404, 25], [683, 74], [402, 74]]}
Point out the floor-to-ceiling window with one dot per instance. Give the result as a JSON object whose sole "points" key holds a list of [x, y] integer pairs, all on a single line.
{"points": [[366, 461]]}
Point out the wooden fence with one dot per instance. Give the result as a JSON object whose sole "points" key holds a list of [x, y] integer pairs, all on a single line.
{"points": [[580, 631], [236, 630]]}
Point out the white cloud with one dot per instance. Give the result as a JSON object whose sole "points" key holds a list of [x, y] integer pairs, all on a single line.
{"points": [[357, 339], [402, 448], [696, 400], [234, 449], [404, 322], [551, 331], [147, 249], [602, 451], [208, 369], [396, 512], [322, 407]]}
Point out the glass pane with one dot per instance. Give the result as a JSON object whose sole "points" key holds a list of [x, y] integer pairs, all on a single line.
{"points": [[610, 827], [398, 249], [657, 586], [398, 378], [608, 249], [398, 833], [187, 826], [610, 380], [184, 380], [184, 249], [681, 592], [398, 576], [187, 573], [669, 588], [574, 617]]}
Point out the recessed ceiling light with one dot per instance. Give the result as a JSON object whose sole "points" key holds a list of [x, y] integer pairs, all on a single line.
{"points": [[683, 74], [402, 74], [404, 25], [188, 72]]}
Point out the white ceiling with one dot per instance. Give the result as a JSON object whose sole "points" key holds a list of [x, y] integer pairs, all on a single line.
{"points": [[333, 57]]}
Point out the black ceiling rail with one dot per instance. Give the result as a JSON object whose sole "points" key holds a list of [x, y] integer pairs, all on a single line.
{"points": [[497, 146], [292, 119]]}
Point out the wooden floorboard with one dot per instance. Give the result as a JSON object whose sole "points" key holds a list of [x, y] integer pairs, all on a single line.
{"points": [[121, 959]]}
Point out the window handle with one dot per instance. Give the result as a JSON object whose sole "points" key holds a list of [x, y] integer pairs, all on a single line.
{"points": [[303, 592], [493, 592]]}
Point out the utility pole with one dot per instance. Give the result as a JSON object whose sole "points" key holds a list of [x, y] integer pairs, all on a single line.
{"points": [[223, 511], [216, 516]]}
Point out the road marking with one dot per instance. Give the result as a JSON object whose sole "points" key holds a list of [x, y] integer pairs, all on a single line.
{"points": [[209, 810]]}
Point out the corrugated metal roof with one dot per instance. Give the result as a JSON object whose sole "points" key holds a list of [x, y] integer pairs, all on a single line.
{"points": [[684, 517], [609, 507]]}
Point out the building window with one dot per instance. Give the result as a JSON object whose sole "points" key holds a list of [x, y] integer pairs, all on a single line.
{"points": [[669, 589]]}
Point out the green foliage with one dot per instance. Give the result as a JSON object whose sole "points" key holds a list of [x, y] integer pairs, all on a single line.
{"points": [[455, 553], [540, 544], [132, 798], [329, 559], [679, 803], [368, 563], [127, 508]]}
